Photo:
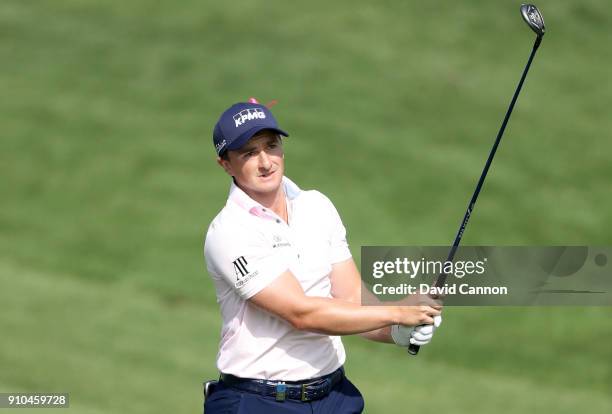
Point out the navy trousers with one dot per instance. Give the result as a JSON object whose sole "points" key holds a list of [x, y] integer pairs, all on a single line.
{"points": [[344, 398]]}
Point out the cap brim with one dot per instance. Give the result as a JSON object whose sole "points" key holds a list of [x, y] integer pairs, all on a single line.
{"points": [[242, 139]]}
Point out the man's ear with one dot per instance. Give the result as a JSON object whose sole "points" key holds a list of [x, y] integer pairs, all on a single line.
{"points": [[225, 164]]}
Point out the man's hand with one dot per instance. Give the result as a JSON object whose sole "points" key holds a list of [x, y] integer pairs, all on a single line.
{"points": [[417, 335], [418, 299]]}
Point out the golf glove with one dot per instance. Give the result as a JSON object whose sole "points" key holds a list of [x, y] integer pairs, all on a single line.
{"points": [[417, 335]]}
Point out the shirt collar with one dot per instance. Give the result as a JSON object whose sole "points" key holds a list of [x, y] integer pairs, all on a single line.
{"points": [[242, 200]]}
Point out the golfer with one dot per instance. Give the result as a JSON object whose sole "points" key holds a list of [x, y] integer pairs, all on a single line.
{"points": [[286, 284]]}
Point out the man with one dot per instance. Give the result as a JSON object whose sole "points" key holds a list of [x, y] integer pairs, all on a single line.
{"points": [[286, 284]]}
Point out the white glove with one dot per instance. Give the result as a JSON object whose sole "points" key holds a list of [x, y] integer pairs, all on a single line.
{"points": [[417, 335]]}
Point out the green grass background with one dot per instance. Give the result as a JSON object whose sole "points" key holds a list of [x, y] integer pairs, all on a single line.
{"points": [[108, 183]]}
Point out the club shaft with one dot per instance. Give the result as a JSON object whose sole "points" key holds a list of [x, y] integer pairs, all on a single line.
{"points": [[414, 349]]}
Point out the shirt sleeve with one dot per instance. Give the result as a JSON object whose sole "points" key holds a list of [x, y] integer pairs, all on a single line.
{"points": [[247, 262], [337, 236]]}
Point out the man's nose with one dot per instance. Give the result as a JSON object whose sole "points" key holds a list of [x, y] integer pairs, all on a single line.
{"points": [[264, 161]]}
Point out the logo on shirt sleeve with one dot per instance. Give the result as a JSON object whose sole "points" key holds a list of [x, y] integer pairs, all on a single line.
{"points": [[240, 267], [243, 275]]}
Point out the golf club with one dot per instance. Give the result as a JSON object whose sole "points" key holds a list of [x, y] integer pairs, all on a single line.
{"points": [[533, 18]]}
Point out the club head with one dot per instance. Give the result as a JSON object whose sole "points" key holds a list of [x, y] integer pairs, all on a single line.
{"points": [[533, 18]]}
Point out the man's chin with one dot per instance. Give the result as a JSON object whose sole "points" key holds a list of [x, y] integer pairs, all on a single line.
{"points": [[265, 184], [269, 184]]}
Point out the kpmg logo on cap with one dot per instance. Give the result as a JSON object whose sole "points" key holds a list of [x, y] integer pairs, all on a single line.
{"points": [[248, 114]]}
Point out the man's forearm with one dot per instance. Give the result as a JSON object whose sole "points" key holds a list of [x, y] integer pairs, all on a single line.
{"points": [[338, 317], [333, 316], [379, 335]]}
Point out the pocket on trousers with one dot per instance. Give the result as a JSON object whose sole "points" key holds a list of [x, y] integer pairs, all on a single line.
{"points": [[357, 402], [223, 401]]}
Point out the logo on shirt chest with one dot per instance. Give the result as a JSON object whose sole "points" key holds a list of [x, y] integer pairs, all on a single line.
{"points": [[279, 242], [242, 272]]}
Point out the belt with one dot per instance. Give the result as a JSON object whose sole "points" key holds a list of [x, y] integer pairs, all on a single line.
{"points": [[307, 390]]}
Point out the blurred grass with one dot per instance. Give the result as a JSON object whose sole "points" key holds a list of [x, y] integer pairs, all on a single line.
{"points": [[109, 182]]}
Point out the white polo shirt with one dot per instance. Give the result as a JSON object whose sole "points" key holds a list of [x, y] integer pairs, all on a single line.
{"points": [[248, 246]]}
